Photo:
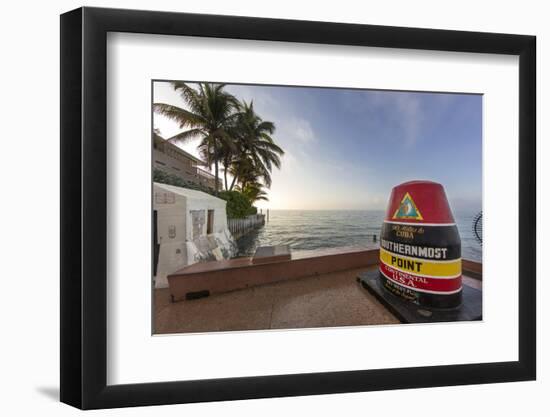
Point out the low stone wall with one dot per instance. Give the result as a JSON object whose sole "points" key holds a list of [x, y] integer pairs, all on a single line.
{"points": [[217, 277], [203, 279]]}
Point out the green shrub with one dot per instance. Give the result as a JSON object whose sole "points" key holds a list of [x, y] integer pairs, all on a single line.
{"points": [[238, 205]]}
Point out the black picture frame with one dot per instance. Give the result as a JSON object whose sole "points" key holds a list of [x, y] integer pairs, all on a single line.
{"points": [[84, 207]]}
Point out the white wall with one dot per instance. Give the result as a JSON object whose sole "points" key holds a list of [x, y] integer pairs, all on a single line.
{"points": [[176, 215], [171, 233], [30, 303]]}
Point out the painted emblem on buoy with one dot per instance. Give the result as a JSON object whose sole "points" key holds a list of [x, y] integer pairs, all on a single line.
{"points": [[407, 209]]}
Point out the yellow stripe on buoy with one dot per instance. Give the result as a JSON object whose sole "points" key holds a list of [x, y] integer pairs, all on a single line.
{"points": [[422, 267]]}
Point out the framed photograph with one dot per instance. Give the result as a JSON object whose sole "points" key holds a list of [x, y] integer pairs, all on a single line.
{"points": [[259, 208]]}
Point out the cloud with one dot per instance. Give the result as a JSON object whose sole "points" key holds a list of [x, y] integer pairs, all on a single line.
{"points": [[402, 115], [290, 129], [299, 129], [410, 115]]}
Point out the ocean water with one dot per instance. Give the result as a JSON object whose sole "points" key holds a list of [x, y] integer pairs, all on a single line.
{"points": [[310, 231]]}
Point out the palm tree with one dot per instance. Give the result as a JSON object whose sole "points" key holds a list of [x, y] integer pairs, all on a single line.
{"points": [[210, 114], [257, 152], [254, 192]]}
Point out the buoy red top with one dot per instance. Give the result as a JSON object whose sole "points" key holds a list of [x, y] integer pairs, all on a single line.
{"points": [[419, 202]]}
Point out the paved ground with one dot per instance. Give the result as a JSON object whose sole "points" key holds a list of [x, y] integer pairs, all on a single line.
{"points": [[328, 300]]}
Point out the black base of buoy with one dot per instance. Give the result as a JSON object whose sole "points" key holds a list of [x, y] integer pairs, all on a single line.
{"points": [[409, 312], [423, 299]]}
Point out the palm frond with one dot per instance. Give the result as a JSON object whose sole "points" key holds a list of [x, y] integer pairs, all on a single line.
{"points": [[181, 116], [189, 95], [267, 127], [186, 135]]}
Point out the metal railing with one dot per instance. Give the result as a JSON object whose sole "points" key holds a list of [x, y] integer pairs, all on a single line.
{"points": [[205, 174], [240, 227]]}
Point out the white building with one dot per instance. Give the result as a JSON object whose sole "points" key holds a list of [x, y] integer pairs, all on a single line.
{"points": [[188, 226]]}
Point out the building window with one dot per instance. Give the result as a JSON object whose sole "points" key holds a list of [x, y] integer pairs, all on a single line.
{"points": [[210, 222]]}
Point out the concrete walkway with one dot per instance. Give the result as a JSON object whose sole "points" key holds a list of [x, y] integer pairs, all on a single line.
{"points": [[328, 300]]}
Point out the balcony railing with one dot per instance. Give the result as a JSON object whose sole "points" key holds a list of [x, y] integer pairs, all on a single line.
{"points": [[205, 174], [186, 167]]}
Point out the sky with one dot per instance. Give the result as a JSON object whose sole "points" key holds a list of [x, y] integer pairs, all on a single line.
{"points": [[346, 149]]}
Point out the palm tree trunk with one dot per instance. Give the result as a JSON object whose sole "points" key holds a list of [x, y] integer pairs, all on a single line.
{"points": [[216, 166], [225, 177], [216, 174], [225, 164], [233, 183]]}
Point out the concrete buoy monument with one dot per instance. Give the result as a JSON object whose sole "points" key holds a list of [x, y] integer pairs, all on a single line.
{"points": [[420, 246], [419, 276]]}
